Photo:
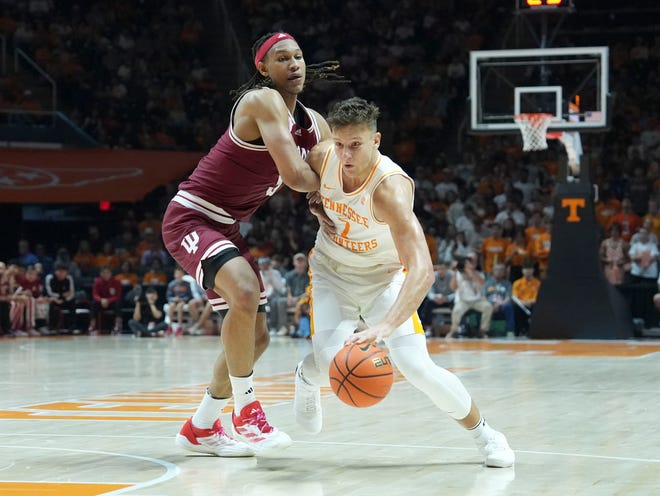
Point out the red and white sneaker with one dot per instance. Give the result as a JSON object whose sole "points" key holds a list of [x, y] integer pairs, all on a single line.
{"points": [[252, 428], [214, 441]]}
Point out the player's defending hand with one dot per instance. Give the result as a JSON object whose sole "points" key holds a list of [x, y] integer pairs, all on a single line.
{"points": [[373, 334], [316, 207]]}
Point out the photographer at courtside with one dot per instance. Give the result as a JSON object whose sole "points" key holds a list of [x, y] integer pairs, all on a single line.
{"points": [[148, 315], [468, 285]]}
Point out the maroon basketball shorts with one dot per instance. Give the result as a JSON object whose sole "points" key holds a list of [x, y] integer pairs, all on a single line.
{"points": [[191, 237]]}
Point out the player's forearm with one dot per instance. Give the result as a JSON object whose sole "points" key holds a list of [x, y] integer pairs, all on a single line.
{"points": [[303, 180], [294, 171]]}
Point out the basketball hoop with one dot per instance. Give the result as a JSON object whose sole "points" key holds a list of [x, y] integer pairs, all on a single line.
{"points": [[533, 128]]}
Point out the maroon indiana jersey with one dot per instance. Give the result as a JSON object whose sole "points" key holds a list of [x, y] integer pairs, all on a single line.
{"points": [[237, 177], [229, 184]]}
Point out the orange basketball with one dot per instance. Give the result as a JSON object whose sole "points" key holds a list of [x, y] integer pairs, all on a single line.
{"points": [[361, 374]]}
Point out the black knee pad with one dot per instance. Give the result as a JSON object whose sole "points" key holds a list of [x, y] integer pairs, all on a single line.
{"points": [[211, 265]]}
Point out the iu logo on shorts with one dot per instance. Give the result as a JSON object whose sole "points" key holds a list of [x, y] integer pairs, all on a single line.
{"points": [[189, 243]]}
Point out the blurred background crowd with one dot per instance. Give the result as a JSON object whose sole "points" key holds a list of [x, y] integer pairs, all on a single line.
{"points": [[156, 75]]}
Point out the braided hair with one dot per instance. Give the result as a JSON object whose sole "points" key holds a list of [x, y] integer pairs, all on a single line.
{"points": [[323, 70]]}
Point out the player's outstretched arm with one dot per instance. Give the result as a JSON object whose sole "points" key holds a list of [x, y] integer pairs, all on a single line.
{"points": [[393, 205], [270, 114]]}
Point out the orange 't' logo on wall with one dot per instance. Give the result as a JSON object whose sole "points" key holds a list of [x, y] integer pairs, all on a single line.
{"points": [[573, 204]]}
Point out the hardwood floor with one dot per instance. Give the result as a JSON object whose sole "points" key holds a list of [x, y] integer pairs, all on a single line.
{"points": [[83, 416]]}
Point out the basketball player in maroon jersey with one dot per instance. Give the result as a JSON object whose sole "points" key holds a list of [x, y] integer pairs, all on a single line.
{"points": [[268, 136]]}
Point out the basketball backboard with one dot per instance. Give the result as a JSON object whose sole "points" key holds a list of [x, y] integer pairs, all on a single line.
{"points": [[570, 83]]}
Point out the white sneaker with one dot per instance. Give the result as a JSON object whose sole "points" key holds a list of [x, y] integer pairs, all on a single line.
{"points": [[496, 450], [307, 404], [214, 441], [251, 427]]}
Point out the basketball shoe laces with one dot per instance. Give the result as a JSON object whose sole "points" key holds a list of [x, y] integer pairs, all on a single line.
{"points": [[258, 418], [217, 436], [309, 393], [310, 403]]}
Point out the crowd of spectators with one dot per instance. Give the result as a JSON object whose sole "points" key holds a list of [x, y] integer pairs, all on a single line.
{"points": [[134, 75], [130, 251], [410, 57], [130, 74]]}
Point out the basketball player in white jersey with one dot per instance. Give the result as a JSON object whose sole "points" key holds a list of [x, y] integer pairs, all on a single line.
{"points": [[371, 262]]}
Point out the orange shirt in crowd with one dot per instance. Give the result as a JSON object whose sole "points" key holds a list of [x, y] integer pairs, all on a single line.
{"points": [[630, 224], [526, 290], [606, 210], [493, 251], [531, 233], [127, 278], [130, 257], [516, 255], [541, 250], [154, 278], [655, 223], [111, 260]]}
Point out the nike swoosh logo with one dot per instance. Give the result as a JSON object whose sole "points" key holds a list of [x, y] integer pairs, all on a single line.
{"points": [[327, 187]]}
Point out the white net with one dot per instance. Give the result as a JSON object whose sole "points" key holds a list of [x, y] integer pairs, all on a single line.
{"points": [[533, 128]]}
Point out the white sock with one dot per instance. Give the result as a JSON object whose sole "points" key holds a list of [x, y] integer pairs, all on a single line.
{"points": [[243, 388], [208, 411], [175, 327], [481, 431]]}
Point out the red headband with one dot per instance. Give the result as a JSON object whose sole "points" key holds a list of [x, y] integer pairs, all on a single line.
{"points": [[263, 49]]}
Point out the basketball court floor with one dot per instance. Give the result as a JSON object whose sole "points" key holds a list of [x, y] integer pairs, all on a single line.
{"points": [[83, 416]]}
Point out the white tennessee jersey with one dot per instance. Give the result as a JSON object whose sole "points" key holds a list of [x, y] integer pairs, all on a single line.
{"points": [[359, 240]]}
